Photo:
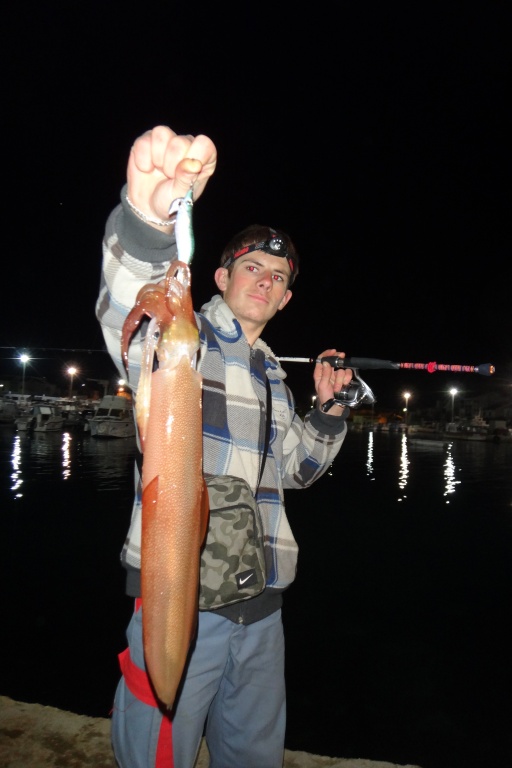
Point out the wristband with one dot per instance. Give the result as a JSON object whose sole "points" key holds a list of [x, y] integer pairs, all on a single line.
{"points": [[149, 219], [329, 404]]}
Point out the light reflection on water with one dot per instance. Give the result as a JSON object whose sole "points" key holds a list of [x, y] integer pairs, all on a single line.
{"points": [[453, 464], [16, 467], [449, 465], [403, 589], [404, 463], [66, 455], [109, 463], [450, 471], [70, 457], [403, 585], [369, 459]]}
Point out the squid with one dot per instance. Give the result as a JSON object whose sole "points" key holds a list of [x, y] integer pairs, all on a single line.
{"points": [[168, 411]]}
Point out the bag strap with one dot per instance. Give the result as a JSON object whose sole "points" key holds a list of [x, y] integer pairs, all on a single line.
{"points": [[267, 431]]}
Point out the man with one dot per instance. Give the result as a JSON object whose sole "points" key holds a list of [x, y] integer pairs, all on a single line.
{"points": [[233, 686]]}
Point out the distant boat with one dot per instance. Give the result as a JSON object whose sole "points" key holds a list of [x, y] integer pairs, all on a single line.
{"points": [[76, 416], [114, 417], [40, 418], [8, 411], [474, 430]]}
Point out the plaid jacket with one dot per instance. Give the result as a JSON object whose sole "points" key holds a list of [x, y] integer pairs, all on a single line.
{"points": [[234, 396]]}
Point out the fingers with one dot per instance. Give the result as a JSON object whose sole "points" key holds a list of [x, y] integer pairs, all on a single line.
{"points": [[163, 165], [196, 161], [177, 156], [335, 379], [327, 380], [324, 370]]}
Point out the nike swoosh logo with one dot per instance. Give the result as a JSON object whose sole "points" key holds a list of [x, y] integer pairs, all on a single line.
{"points": [[242, 581]]}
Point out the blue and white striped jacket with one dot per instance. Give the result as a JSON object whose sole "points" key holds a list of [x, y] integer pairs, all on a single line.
{"points": [[234, 401]]}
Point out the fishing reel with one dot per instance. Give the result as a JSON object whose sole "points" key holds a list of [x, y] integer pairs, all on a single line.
{"points": [[355, 394]]}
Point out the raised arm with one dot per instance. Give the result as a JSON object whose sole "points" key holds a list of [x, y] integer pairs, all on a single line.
{"points": [[139, 242]]}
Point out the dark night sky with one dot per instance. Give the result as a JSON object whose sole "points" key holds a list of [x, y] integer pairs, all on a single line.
{"points": [[377, 136]]}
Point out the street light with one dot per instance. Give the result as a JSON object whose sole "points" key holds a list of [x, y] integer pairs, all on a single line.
{"points": [[72, 371], [406, 409], [453, 392], [23, 360]]}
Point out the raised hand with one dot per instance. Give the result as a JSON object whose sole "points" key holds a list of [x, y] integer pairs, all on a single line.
{"points": [[162, 166]]}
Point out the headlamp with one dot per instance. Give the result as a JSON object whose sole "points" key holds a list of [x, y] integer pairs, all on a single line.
{"points": [[275, 246]]}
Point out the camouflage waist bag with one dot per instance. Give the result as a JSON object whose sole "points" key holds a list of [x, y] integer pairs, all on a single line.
{"points": [[232, 559]]}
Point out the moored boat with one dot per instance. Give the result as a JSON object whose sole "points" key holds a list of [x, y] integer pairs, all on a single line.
{"points": [[9, 412], [473, 430], [114, 417], [40, 418], [76, 416]]}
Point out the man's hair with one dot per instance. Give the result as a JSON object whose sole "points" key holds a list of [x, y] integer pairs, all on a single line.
{"points": [[254, 234]]}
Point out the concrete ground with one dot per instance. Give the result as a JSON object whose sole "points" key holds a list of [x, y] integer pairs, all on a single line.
{"points": [[43, 737]]}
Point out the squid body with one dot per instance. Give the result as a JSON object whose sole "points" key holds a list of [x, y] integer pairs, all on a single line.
{"points": [[174, 498]]}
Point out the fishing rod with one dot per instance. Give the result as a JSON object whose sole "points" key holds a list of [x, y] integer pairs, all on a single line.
{"points": [[372, 363], [358, 392]]}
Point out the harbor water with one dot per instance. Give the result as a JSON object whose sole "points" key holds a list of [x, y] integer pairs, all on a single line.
{"points": [[397, 627]]}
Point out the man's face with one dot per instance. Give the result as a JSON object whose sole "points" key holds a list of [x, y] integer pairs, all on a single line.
{"points": [[257, 287]]}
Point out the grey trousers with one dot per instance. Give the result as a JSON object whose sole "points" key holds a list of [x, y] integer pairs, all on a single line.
{"points": [[233, 691]]}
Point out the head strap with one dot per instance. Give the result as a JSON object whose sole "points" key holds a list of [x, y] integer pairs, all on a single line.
{"points": [[275, 245]]}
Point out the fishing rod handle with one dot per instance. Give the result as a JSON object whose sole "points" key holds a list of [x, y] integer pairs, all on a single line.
{"points": [[368, 363]]}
